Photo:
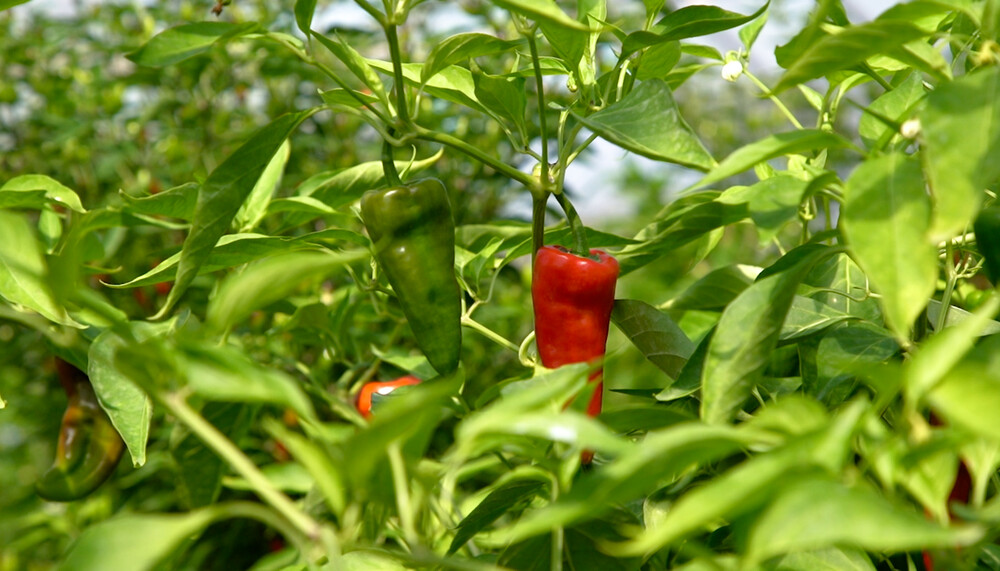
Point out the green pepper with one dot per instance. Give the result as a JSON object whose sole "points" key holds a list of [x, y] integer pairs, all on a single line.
{"points": [[413, 235], [89, 447]]}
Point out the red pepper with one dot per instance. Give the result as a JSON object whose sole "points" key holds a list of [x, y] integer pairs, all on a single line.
{"points": [[370, 393], [573, 297]]}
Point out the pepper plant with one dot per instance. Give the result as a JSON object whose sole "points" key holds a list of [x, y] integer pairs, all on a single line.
{"points": [[802, 371]]}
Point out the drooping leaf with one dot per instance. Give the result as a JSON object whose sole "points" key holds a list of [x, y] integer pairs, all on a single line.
{"points": [[818, 513], [460, 48], [655, 335], [128, 406], [134, 541], [37, 190], [269, 281], [848, 48], [773, 146], [648, 123], [688, 22], [222, 194], [541, 11], [182, 42], [886, 218], [748, 332], [23, 272], [960, 127]]}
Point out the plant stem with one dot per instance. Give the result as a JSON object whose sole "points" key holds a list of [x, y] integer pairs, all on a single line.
{"points": [[240, 463], [389, 166], [403, 500], [540, 92], [580, 247], [952, 277], [538, 224], [397, 70], [459, 145], [488, 333], [774, 98]]}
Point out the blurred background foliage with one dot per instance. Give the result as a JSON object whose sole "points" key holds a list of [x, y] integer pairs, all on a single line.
{"points": [[74, 108]]}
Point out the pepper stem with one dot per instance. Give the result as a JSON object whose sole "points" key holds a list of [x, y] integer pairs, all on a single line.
{"points": [[539, 201], [580, 247], [389, 166]]}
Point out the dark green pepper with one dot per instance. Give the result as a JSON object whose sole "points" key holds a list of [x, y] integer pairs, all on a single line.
{"points": [[413, 234], [89, 447]]}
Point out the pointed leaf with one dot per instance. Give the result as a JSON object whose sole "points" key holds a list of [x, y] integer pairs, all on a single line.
{"points": [[961, 148], [222, 194], [648, 123], [37, 190], [186, 41], [793, 142], [655, 335], [747, 334], [885, 218]]}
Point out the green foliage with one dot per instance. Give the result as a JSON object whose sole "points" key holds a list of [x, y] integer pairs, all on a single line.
{"points": [[803, 372]]}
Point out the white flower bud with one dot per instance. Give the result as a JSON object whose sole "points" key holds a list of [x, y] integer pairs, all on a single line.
{"points": [[732, 70], [910, 128]]}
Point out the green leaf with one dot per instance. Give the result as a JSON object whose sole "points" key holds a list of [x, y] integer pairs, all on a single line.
{"points": [[178, 202], [24, 274], [128, 406], [350, 98], [840, 283], [885, 219], [657, 61], [807, 316], [199, 468], [793, 142], [5, 4], [268, 281], [745, 487], [186, 41], [847, 48], [961, 148], [817, 513], [715, 290], [504, 498], [35, 191], [504, 96], [460, 48], [945, 349], [844, 353], [748, 332], [546, 11], [453, 83], [687, 22], [237, 249], [648, 123], [357, 64], [656, 336], [223, 373], [221, 195], [134, 541], [304, 10], [750, 32], [825, 560], [773, 202], [253, 209], [660, 457]]}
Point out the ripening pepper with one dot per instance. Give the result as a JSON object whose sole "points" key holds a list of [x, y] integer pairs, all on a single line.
{"points": [[572, 298], [375, 391], [413, 234], [89, 447]]}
